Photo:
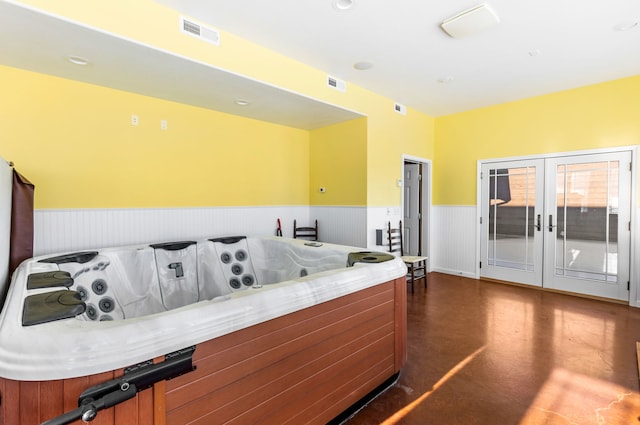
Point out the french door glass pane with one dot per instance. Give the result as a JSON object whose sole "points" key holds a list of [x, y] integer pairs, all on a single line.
{"points": [[511, 218], [587, 220]]}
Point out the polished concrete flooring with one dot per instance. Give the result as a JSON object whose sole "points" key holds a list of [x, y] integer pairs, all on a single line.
{"points": [[495, 354]]}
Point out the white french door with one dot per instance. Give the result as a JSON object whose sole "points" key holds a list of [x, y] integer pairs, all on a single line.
{"points": [[588, 206], [560, 223], [512, 194]]}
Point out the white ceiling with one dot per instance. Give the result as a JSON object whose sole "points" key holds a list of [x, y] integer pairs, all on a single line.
{"points": [[538, 47]]}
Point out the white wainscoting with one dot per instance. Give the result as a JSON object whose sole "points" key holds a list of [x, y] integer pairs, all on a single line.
{"points": [[77, 229], [378, 218], [453, 240], [344, 225]]}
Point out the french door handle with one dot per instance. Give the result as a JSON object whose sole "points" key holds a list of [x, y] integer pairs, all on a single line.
{"points": [[539, 223], [551, 225]]}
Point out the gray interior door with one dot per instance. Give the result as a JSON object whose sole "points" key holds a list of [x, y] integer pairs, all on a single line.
{"points": [[412, 208]]}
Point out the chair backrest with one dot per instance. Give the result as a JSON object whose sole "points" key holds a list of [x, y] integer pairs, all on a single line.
{"points": [[307, 232], [394, 238]]}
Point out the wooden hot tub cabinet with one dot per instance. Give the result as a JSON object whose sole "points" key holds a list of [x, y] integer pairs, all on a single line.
{"points": [[302, 368]]}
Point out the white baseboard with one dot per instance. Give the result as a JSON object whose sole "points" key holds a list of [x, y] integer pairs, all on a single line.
{"points": [[454, 272]]}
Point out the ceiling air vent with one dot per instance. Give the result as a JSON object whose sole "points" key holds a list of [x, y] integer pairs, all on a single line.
{"points": [[336, 84], [200, 31], [401, 109], [470, 21]]}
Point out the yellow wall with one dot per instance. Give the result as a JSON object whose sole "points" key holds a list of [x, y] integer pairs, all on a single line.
{"points": [[598, 116], [388, 135], [75, 142], [391, 136], [338, 163]]}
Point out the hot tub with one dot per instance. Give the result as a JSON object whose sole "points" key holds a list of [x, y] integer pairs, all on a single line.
{"points": [[264, 330]]}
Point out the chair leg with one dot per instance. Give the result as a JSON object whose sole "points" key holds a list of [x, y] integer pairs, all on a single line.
{"points": [[413, 278], [425, 275]]}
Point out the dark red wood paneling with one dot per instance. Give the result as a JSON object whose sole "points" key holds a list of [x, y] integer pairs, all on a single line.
{"points": [[304, 367]]}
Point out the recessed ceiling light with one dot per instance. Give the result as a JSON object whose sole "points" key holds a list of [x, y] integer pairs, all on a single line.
{"points": [[626, 26], [77, 60], [342, 4], [242, 102], [362, 66], [446, 79]]}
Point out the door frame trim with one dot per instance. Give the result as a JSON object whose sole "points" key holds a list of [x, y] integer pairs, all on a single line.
{"points": [[427, 169], [634, 272]]}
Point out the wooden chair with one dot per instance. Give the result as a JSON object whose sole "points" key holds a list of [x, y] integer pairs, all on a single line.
{"points": [[416, 265], [310, 233]]}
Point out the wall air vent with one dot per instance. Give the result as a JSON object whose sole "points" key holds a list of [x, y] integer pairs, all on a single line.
{"points": [[336, 84], [401, 109], [200, 31]]}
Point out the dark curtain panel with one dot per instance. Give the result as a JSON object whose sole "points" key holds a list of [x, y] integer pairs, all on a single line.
{"points": [[21, 239], [499, 191]]}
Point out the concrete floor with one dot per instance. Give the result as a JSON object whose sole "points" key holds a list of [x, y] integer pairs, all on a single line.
{"points": [[495, 354]]}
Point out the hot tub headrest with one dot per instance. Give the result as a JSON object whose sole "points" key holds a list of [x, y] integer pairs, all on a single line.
{"points": [[368, 257], [75, 257], [173, 246], [228, 240], [49, 280], [50, 306]]}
